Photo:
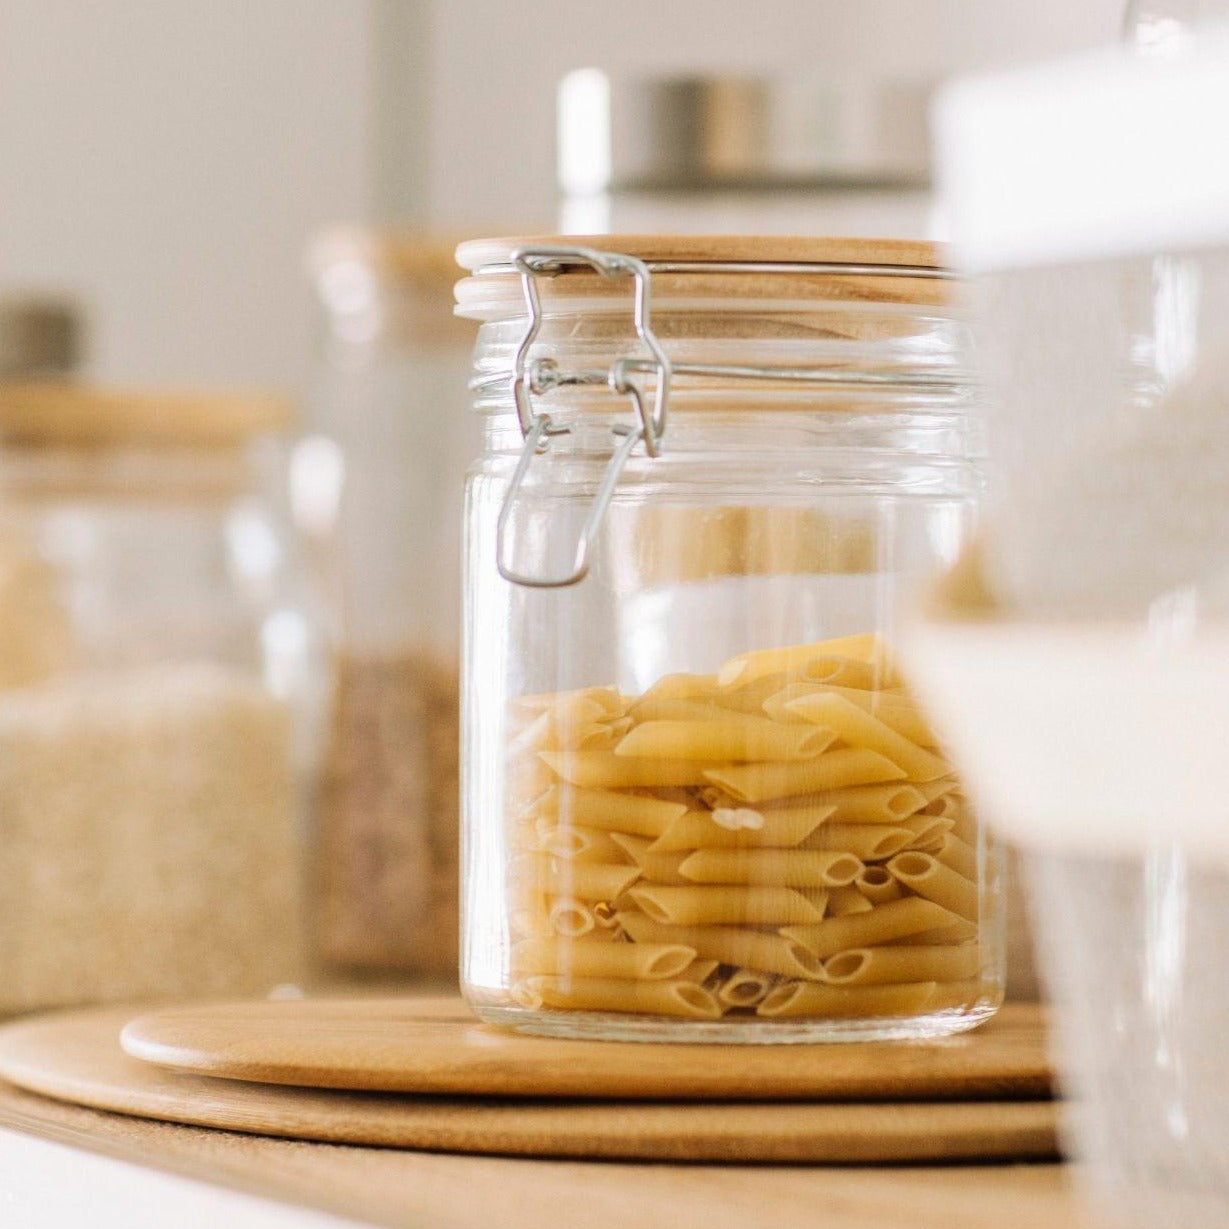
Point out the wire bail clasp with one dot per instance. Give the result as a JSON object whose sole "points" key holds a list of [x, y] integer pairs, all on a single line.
{"points": [[540, 376]]}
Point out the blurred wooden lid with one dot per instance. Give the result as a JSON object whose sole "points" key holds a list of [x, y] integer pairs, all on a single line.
{"points": [[419, 257], [759, 268], [64, 414]]}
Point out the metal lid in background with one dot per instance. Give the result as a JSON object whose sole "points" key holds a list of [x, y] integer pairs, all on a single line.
{"points": [[39, 337], [702, 132]]}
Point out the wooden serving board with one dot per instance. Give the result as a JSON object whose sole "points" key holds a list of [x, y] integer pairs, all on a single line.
{"points": [[75, 1057], [436, 1046]]}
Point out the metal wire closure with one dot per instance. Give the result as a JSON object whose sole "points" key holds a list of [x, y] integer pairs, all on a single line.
{"points": [[539, 376]]}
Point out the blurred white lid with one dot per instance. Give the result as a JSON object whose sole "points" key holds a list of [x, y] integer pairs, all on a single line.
{"points": [[1101, 155]]}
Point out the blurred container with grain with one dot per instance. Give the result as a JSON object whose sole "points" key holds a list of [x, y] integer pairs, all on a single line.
{"points": [[390, 406], [159, 675]]}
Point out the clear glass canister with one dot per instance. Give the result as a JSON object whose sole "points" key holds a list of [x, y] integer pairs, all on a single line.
{"points": [[160, 688], [388, 407], [700, 802]]}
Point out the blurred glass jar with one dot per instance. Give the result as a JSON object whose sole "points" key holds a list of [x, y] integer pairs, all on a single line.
{"points": [[161, 680], [389, 405], [698, 802], [1081, 660], [739, 155]]}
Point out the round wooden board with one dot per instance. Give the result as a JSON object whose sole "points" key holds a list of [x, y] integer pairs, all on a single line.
{"points": [[76, 1057], [436, 1046]]}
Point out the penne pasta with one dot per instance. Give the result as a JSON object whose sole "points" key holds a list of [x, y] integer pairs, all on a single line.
{"points": [[752, 949], [655, 867], [832, 770], [727, 904], [678, 687], [745, 988], [959, 931], [653, 961], [790, 868], [960, 856], [909, 915], [570, 918], [741, 828], [700, 970], [856, 727], [877, 885], [590, 881], [866, 804], [651, 709], [869, 842], [727, 738], [926, 830], [579, 844], [921, 873], [879, 965], [608, 810], [606, 770], [676, 997], [843, 901], [747, 667], [805, 998]]}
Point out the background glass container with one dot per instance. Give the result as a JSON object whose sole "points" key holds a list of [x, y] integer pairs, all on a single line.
{"points": [[389, 407], [160, 688], [631, 770]]}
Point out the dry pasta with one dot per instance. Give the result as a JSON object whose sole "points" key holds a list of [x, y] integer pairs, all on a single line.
{"points": [[910, 915], [832, 770], [586, 959], [727, 904], [725, 738], [878, 965], [802, 998], [934, 881], [741, 828], [778, 839], [794, 868]]}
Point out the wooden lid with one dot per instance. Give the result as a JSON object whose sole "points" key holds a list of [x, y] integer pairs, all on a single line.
{"points": [[55, 414], [758, 268]]}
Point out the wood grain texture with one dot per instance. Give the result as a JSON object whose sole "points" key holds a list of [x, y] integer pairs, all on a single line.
{"points": [[75, 1057], [435, 1046], [406, 1190]]}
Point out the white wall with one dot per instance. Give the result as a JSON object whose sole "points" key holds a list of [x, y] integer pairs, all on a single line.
{"points": [[168, 159], [496, 62]]}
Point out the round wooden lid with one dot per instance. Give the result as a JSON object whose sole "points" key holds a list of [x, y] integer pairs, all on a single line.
{"points": [[61, 414], [764, 269]]}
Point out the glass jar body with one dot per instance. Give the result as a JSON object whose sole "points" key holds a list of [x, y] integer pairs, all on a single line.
{"points": [[680, 817], [160, 691]]}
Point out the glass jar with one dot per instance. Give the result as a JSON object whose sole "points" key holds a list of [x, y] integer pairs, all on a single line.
{"points": [[160, 691], [699, 802], [389, 415]]}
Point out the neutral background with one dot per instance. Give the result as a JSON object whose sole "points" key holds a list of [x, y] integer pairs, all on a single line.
{"points": [[167, 161]]}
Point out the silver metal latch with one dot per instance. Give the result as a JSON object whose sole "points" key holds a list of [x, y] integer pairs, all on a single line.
{"points": [[542, 374]]}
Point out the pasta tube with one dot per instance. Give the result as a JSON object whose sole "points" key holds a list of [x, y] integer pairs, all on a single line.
{"points": [[866, 841], [579, 844], [780, 829], [791, 868], [907, 916], [855, 726], [612, 811], [747, 667], [843, 901], [647, 960], [727, 904], [608, 701], [877, 885], [582, 880], [867, 804], [801, 998], [832, 770], [745, 988], [660, 998], [961, 857], [655, 867], [753, 949], [570, 918], [606, 770], [722, 740], [895, 711], [679, 687], [877, 965], [931, 879]]}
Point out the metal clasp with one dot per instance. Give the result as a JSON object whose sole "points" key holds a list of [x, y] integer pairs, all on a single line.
{"points": [[529, 378]]}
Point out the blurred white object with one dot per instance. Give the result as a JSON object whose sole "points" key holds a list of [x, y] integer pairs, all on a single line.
{"points": [[743, 155], [1079, 668]]}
